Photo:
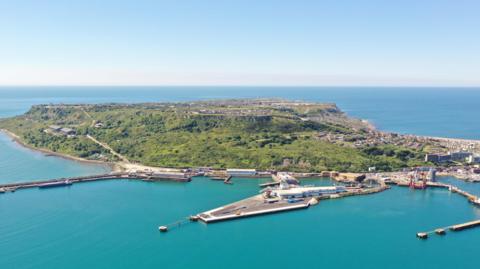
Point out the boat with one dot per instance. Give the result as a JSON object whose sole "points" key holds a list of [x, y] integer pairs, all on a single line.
{"points": [[55, 184]]}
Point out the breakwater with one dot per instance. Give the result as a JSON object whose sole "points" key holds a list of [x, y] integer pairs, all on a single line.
{"points": [[453, 189], [110, 176]]}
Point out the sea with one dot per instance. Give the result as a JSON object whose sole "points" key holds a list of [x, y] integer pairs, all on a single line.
{"points": [[114, 224]]}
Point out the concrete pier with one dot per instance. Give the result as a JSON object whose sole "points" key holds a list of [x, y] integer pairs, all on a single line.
{"points": [[259, 205], [467, 225], [112, 176], [249, 207], [455, 228]]}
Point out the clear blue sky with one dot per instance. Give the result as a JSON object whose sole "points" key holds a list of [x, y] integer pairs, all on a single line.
{"points": [[261, 42]]}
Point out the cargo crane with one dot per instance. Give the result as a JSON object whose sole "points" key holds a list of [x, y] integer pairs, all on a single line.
{"points": [[416, 183]]}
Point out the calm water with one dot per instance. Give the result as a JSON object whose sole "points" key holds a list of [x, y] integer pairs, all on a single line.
{"points": [[20, 164], [114, 224]]}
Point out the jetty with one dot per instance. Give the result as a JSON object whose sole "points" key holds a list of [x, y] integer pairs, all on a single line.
{"points": [[252, 206], [11, 187], [454, 228], [453, 189], [281, 200]]}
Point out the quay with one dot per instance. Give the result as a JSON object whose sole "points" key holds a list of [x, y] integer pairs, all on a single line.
{"points": [[111, 176], [249, 207], [281, 200], [455, 228]]}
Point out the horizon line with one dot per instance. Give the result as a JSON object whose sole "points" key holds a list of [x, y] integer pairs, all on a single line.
{"points": [[237, 86]]}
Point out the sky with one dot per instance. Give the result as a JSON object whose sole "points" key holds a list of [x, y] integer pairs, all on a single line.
{"points": [[243, 42]]}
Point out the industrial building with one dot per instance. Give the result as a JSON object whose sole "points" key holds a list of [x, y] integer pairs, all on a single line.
{"points": [[302, 192], [241, 172], [450, 157]]}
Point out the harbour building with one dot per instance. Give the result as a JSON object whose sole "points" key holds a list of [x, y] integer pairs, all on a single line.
{"points": [[241, 172], [460, 156], [302, 192]]}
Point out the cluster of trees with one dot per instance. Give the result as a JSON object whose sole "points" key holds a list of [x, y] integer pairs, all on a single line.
{"points": [[173, 138]]}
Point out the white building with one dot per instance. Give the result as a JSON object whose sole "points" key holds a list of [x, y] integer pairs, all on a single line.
{"points": [[301, 192], [241, 172]]}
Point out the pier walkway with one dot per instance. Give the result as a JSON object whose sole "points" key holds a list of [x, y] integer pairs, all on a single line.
{"points": [[70, 180], [454, 228]]}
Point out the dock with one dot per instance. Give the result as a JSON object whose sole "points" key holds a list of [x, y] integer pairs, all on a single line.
{"points": [[249, 207], [10, 187], [454, 228], [260, 205]]}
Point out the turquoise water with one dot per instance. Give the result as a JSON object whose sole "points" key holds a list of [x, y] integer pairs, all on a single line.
{"points": [[21, 164], [113, 224], [473, 188]]}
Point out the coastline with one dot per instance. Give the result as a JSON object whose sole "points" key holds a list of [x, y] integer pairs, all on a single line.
{"points": [[126, 166], [113, 166]]}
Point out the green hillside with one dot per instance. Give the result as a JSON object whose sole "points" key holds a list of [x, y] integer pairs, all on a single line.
{"points": [[262, 134]]}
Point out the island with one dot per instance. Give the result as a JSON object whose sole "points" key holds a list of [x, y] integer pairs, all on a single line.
{"points": [[261, 133], [276, 138]]}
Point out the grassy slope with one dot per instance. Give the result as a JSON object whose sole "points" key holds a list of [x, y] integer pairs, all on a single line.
{"points": [[173, 137]]}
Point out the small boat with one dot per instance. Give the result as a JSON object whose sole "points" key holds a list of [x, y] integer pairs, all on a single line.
{"points": [[163, 229]]}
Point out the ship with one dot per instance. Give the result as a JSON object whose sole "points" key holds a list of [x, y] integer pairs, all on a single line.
{"points": [[415, 183]]}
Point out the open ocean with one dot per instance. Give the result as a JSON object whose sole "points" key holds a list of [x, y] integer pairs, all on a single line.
{"points": [[113, 224]]}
